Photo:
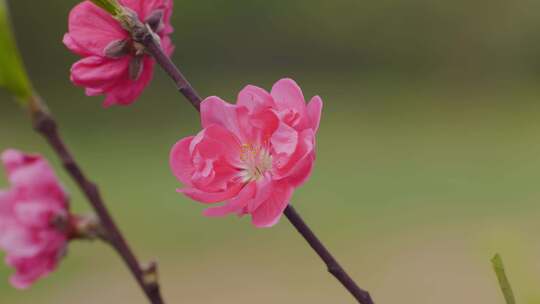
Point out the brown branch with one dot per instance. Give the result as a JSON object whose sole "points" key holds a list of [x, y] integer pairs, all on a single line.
{"points": [[331, 263], [144, 36], [45, 124]]}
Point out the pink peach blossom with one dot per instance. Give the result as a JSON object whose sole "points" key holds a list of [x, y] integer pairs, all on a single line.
{"points": [[36, 200], [113, 64], [251, 155]]}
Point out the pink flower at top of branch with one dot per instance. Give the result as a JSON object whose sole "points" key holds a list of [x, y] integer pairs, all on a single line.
{"points": [[251, 155], [33, 218], [113, 64]]}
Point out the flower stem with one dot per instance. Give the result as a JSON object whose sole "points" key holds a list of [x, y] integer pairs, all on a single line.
{"points": [[331, 263], [153, 47], [182, 84], [45, 124]]}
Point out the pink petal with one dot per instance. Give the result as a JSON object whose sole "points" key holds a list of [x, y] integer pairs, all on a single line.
{"points": [[36, 214], [284, 140], [167, 45], [93, 91], [18, 241], [32, 176], [14, 160], [151, 5], [265, 187], [180, 161], [28, 270], [74, 47], [297, 168], [215, 142], [20, 282], [215, 111], [168, 4], [137, 6], [219, 174], [259, 127], [235, 204], [98, 72], [38, 181], [269, 213], [126, 91], [314, 110], [6, 202], [288, 95], [211, 197], [92, 29], [300, 173], [255, 99]]}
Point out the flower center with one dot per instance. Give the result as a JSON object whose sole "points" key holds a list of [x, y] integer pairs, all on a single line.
{"points": [[256, 162]]}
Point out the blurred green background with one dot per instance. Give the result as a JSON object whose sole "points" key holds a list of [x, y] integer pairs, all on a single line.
{"points": [[428, 153]]}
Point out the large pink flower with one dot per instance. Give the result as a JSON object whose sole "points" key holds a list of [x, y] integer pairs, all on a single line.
{"points": [[113, 64], [30, 212], [251, 155]]}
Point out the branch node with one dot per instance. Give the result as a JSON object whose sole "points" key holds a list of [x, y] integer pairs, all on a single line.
{"points": [[43, 123], [150, 275]]}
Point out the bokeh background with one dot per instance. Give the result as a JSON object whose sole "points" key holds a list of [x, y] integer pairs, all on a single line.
{"points": [[428, 154]]}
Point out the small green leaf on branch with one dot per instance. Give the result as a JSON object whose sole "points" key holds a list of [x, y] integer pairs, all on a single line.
{"points": [[13, 76], [503, 279], [111, 6]]}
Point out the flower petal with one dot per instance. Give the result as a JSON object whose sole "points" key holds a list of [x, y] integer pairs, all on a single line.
{"points": [[92, 28], [288, 95], [269, 213], [284, 140], [99, 72], [32, 176], [265, 187], [180, 161], [296, 169], [37, 214], [235, 204], [314, 110], [125, 91], [74, 47], [18, 241], [255, 99], [30, 269], [167, 45], [211, 197], [215, 111]]}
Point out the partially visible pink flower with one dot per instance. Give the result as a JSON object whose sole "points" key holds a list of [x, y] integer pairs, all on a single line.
{"points": [[113, 64], [251, 155], [29, 213]]}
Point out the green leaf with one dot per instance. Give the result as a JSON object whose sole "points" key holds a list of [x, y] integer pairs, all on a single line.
{"points": [[503, 280], [111, 6], [13, 76]]}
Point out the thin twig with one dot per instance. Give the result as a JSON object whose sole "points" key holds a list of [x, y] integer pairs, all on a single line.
{"points": [[145, 37], [45, 124], [331, 263]]}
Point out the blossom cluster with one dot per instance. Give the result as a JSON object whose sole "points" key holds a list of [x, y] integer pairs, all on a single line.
{"points": [[249, 156]]}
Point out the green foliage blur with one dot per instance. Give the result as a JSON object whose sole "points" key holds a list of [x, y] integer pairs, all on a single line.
{"points": [[12, 74], [428, 153], [500, 271]]}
